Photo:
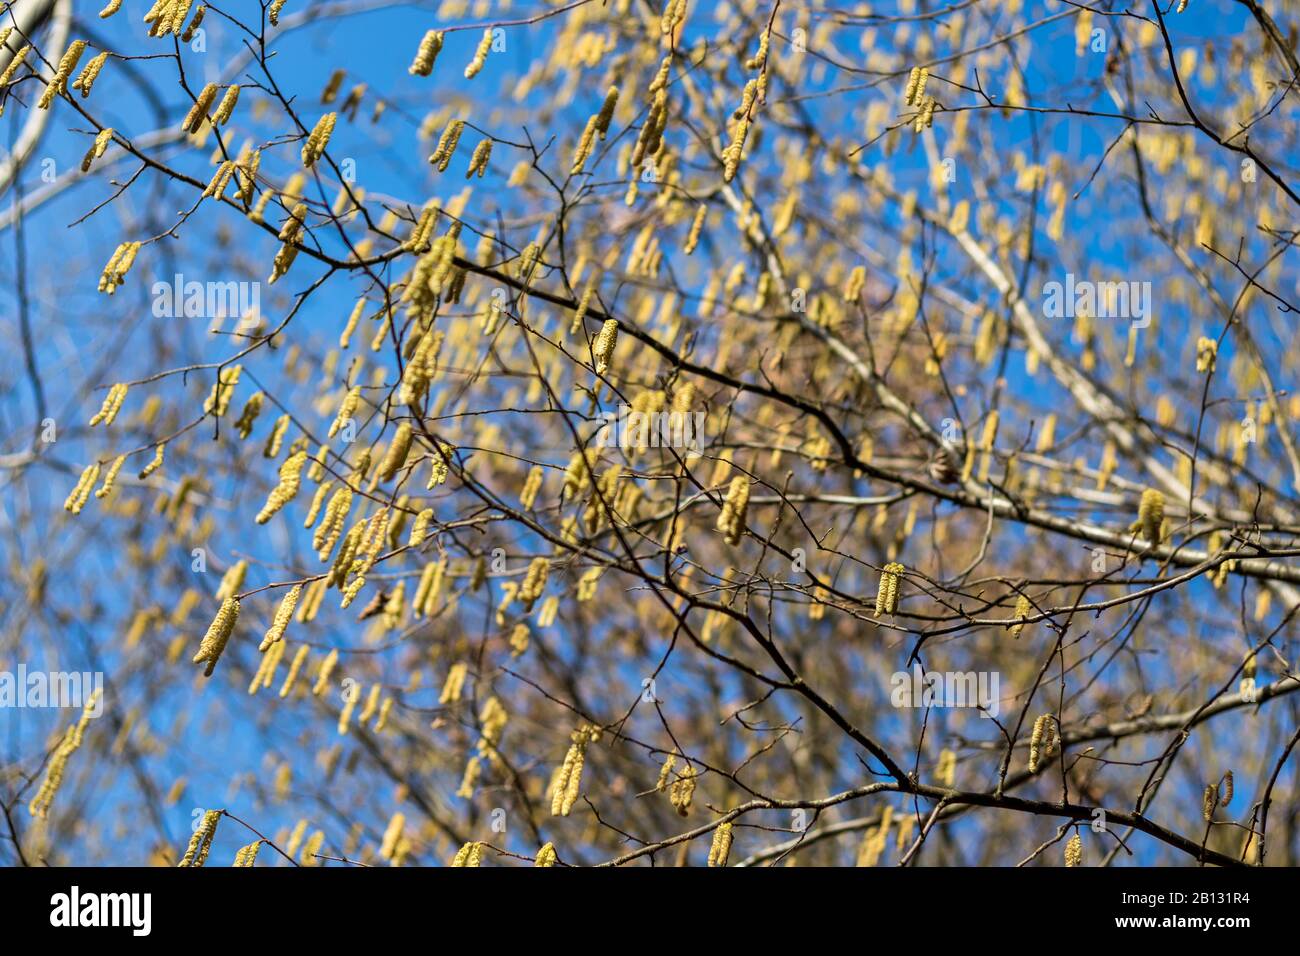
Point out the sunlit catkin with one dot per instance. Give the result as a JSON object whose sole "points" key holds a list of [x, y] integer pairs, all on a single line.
{"points": [[58, 84], [1074, 851], [295, 666], [283, 614], [479, 160], [247, 856], [323, 675], [318, 139], [1151, 515], [110, 477], [697, 226], [682, 791], [545, 856], [534, 582], [18, 60], [532, 485], [199, 111], [346, 409], [219, 631], [1043, 741], [455, 682], [395, 457], [731, 520], [566, 783], [118, 265], [1207, 353], [286, 489], [602, 348], [446, 148], [425, 56], [102, 139], [480, 55], [887, 590], [196, 853], [39, 806], [721, 846], [77, 498], [1022, 611], [154, 463], [471, 854]]}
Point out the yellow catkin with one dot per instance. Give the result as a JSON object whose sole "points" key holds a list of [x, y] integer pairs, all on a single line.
{"points": [[721, 845], [323, 675], [196, 854], [219, 631], [566, 783], [392, 836], [1042, 741], [226, 108], [371, 704], [420, 528], [1074, 851], [534, 582], [451, 689], [471, 854], [77, 498], [697, 227], [346, 410], [1151, 515], [317, 500], [1207, 353], [248, 855], [446, 148], [299, 657], [89, 74], [430, 46], [58, 84], [349, 705], [665, 772], [39, 806], [155, 463], [602, 348], [1209, 801], [532, 486], [887, 591], [14, 64], [248, 417], [311, 849], [102, 139], [682, 791], [110, 477], [318, 139], [395, 457], [118, 265], [480, 55], [286, 489], [946, 771], [223, 389], [583, 150], [216, 188], [479, 160], [731, 520], [283, 614], [199, 111], [584, 303], [545, 856], [1022, 611]]}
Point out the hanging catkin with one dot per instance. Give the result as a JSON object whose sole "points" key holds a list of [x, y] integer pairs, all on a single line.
{"points": [[219, 631], [887, 590]]}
